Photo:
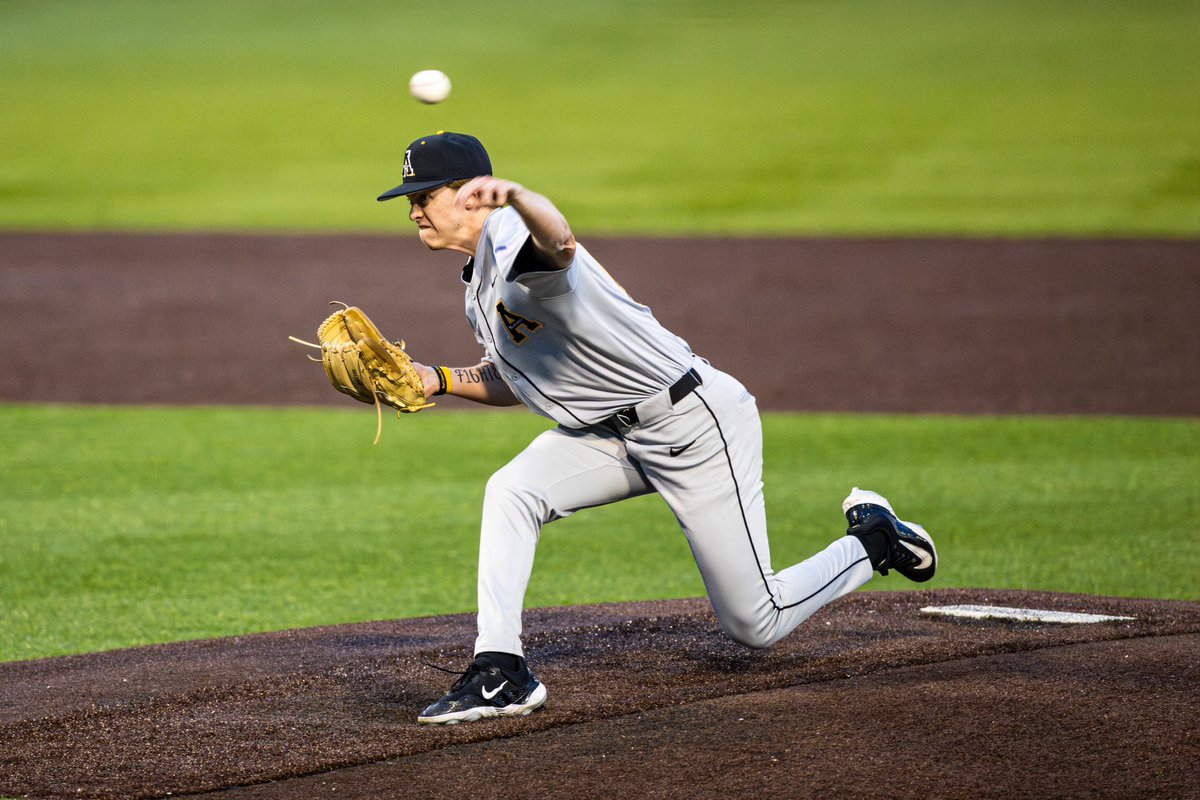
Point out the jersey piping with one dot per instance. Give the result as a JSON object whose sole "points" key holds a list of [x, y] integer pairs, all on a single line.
{"points": [[745, 523], [509, 364]]}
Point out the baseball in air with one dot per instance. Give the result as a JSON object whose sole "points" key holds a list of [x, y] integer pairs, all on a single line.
{"points": [[429, 86]]}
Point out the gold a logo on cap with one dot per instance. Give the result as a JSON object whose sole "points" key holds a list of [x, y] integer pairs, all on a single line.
{"points": [[408, 169]]}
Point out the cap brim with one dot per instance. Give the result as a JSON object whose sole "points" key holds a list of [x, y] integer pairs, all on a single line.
{"points": [[412, 188]]}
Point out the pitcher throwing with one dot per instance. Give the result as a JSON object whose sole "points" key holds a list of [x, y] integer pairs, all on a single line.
{"points": [[637, 412]]}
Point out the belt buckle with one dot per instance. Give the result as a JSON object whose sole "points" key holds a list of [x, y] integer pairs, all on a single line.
{"points": [[626, 418]]}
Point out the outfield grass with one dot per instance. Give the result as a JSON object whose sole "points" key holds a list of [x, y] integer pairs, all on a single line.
{"points": [[943, 116], [122, 526]]}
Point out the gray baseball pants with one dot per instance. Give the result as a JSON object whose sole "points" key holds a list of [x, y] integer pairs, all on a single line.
{"points": [[713, 484]]}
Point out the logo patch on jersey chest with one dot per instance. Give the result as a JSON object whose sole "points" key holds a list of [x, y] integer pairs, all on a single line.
{"points": [[519, 328]]}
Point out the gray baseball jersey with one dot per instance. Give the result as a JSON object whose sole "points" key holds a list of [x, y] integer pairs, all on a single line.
{"points": [[571, 344], [574, 347]]}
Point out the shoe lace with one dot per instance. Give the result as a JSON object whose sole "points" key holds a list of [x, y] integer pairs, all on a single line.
{"points": [[464, 676]]}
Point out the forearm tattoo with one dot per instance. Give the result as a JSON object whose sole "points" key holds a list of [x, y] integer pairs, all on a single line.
{"points": [[482, 374]]}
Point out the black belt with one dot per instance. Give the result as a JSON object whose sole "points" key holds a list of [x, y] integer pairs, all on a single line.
{"points": [[627, 418]]}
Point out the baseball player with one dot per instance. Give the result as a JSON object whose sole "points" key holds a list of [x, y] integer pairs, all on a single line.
{"points": [[637, 412]]}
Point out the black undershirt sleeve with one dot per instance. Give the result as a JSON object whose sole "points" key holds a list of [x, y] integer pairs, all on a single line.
{"points": [[529, 260]]}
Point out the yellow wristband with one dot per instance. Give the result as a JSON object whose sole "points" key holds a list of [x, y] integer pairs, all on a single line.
{"points": [[446, 380]]}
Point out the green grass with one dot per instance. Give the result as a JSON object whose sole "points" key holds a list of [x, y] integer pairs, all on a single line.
{"points": [[698, 116], [122, 526]]}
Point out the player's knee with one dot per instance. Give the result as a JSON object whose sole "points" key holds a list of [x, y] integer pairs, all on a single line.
{"points": [[748, 632], [505, 489], [504, 486], [753, 639]]}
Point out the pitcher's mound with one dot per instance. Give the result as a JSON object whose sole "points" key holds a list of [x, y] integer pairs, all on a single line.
{"points": [[869, 698]]}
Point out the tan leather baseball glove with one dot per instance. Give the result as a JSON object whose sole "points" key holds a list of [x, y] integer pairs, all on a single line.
{"points": [[362, 363]]}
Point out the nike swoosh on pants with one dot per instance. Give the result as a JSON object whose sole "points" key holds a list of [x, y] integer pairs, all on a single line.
{"points": [[677, 450]]}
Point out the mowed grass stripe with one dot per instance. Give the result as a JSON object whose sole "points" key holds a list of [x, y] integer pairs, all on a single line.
{"points": [[124, 526]]}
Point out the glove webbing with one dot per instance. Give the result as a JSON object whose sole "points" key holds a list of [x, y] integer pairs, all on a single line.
{"points": [[378, 405]]}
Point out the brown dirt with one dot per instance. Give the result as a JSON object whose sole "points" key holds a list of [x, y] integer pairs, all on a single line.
{"points": [[868, 699], [958, 326]]}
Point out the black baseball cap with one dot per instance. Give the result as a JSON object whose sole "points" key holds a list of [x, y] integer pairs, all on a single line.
{"points": [[436, 160]]}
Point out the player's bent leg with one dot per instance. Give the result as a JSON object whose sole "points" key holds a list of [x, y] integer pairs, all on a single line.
{"points": [[802, 589], [560, 472], [714, 486], [757, 607]]}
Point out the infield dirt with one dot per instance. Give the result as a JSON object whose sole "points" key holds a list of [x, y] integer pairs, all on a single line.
{"points": [[903, 325], [869, 698]]}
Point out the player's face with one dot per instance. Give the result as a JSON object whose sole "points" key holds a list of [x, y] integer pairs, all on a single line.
{"points": [[441, 224]]}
